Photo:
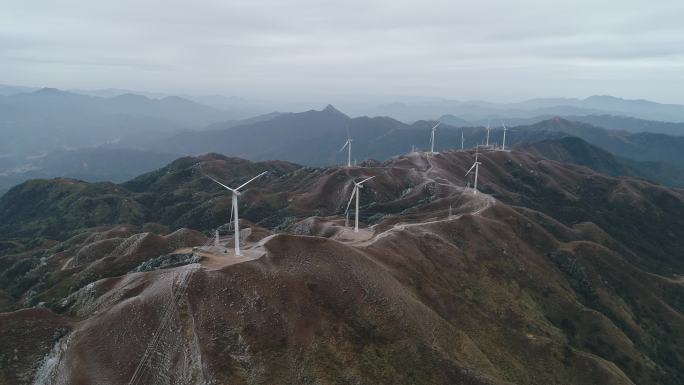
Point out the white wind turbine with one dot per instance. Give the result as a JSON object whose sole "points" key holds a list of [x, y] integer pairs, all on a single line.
{"points": [[348, 145], [355, 192], [475, 166], [488, 129], [503, 145], [236, 192], [432, 137]]}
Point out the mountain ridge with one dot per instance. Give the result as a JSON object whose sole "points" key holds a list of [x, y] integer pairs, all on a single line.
{"points": [[549, 274], [481, 110], [314, 137]]}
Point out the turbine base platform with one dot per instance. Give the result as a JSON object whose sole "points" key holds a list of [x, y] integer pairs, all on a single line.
{"points": [[214, 257]]}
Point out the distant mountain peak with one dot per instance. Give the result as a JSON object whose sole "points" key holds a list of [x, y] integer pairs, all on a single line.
{"points": [[332, 110]]}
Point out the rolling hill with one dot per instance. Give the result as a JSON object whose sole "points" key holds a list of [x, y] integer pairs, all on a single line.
{"points": [[552, 274], [575, 150]]}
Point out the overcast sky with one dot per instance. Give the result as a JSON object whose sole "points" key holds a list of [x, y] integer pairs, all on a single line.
{"points": [[499, 50]]}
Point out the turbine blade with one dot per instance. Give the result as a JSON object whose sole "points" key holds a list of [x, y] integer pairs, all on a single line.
{"points": [[436, 125], [350, 198], [345, 145], [471, 169], [366, 180], [233, 190], [249, 181]]}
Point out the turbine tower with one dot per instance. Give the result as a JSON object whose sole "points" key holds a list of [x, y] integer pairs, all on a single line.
{"points": [[355, 193], [487, 144], [462, 139], [475, 166], [236, 192], [348, 145], [503, 145], [432, 137]]}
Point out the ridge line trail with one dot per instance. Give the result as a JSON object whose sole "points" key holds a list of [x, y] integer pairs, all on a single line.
{"points": [[486, 201]]}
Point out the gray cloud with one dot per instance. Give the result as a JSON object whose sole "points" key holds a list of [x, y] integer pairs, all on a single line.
{"points": [[353, 50]]}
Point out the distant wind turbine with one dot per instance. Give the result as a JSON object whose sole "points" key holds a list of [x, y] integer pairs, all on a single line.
{"points": [[432, 137], [487, 144], [462, 139], [348, 145], [355, 193], [475, 166], [236, 192], [503, 145]]}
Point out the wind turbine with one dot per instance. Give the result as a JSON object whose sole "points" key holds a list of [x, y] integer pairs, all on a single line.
{"points": [[475, 166], [503, 145], [462, 139], [236, 192], [432, 137], [487, 144], [355, 192], [348, 145]]}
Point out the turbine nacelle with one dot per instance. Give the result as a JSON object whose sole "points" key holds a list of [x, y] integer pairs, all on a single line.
{"points": [[346, 143], [472, 167]]}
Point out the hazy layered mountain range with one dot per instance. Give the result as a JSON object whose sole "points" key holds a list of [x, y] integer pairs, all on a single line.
{"points": [[50, 133], [314, 138], [611, 122], [480, 110], [50, 119], [566, 266]]}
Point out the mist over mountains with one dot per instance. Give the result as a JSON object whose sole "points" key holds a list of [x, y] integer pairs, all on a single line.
{"points": [[50, 133], [341, 193], [50, 119], [569, 255], [480, 110]]}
